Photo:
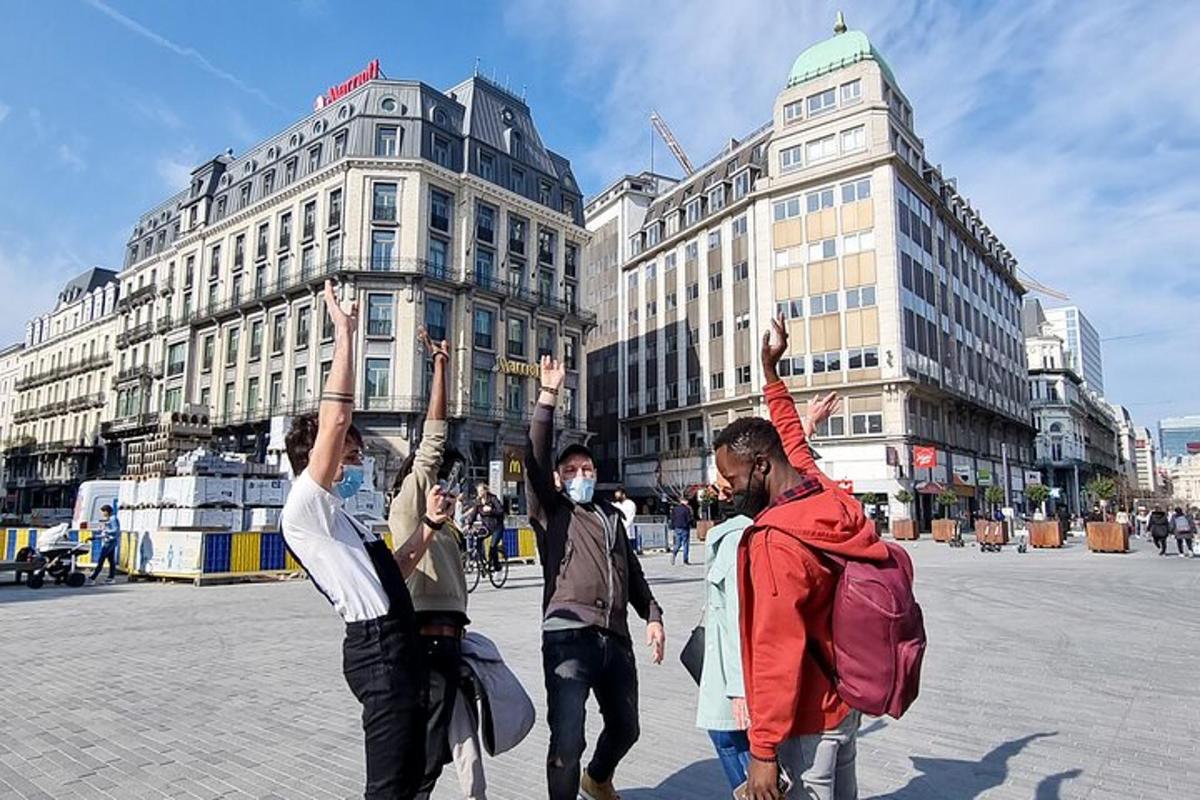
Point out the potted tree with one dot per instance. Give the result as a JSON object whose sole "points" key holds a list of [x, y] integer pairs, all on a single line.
{"points": [[1105, 536], [904, 527], [1042, 532], [945, 529]]}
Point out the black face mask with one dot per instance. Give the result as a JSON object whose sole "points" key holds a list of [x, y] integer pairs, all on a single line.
{"points": [[752, 500]]}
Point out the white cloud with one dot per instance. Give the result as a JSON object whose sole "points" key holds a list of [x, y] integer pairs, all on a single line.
{"points": [[1071, 130], [32, 279], [71, 157], [175, 170], [154, 109], [4, 109], [189, 53]]}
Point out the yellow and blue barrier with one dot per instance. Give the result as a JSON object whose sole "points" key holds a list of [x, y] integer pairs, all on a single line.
{"points": [[520, 544]]}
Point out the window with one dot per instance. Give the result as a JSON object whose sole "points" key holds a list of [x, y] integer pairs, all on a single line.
{"points": [[716, 381], [379, 315], [791, 367], [856, 190], [219, 213], [256, 339], [235, 293], [386, 140], [634, 443], [485, 268], [547, 241], [213, 288], [383, 244], [741, 322], [485, 223], [517, 333], [278, 327], [441, 151], [741, 271], [819, 200], [545, 340], [693, 212], [820, 149], [787, 209], [175, 354], [571, 352], [651, 308], [862, 357], [671, 300], [741, 185], [482, 388], [252, 394], [739, 227], [326, 367], [281, 271], [244, 199], [865, 424], [487, 166], [823, 304], [854, 139], [514, 394], [827, 362], [652, 234], [289, 171], [851, 92], [314, 158], [857, 242], [303, 326], [861, 297], [716, 198], [485, 324], [300, 384], [693, 292], [232, 340], [339, 145], [822, 103], [227, 409], [826, 248], [326, 328], [791, 158], [437, 318], [285, 231], [714, 240], [383, 204], [546, 285], [714, 282], [790, 309], [544, 192], [335, 208], [516, 180], [378, 378], [793, 111], [268, 182], [743, 375], [571, 260]]}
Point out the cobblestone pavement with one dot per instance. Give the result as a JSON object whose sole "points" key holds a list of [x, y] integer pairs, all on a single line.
{"points": [[1054, 674]]}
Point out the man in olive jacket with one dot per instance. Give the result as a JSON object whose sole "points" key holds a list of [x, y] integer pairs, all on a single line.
{"points": [[591, 577]]}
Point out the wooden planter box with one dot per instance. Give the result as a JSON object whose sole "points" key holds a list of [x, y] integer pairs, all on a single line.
{"points": [[904, 530], [991, 532], [1107, 537], [1045, 534], [944, 529], [703, 526]]}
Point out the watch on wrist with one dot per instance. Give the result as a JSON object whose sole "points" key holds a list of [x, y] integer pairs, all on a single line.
{"points": [[430, 523]]}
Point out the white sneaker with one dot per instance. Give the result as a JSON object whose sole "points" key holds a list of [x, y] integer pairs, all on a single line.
{"points": [[91, 582]]}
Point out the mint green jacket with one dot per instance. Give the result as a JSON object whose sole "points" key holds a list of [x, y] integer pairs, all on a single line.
{"points": [[721, 680]]}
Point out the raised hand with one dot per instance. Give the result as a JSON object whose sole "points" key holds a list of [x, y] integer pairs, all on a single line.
{"points": [[553, 374], [437, 509], [774, 345], [820, 409], [343, 321], [435, 349]]}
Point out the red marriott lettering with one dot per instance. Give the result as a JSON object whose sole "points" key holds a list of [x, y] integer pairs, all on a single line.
{"points": [[344, 88]]}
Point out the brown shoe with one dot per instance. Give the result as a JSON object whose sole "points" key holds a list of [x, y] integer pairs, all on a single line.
{"points": [[590, 789]]}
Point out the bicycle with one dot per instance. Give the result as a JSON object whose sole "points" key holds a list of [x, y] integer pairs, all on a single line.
{"points": [[477, 563]]}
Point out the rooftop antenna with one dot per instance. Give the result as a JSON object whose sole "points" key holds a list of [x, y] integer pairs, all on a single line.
{"points": [[476, 66]]}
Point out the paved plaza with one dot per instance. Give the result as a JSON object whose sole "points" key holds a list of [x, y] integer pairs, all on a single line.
{"points": [[1053, 674]]}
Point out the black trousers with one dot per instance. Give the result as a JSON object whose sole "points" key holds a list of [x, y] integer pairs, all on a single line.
{"points": [[443, 657], [1161, 541], [107, 553], [577, 662], [384, 667]]}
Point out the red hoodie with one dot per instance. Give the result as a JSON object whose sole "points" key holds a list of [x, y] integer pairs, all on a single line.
{"points": [[787, 594]]}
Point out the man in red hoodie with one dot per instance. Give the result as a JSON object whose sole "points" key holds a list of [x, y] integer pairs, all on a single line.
{"points": [[798, 723]]}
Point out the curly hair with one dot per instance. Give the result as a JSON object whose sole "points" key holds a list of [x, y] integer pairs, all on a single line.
{"points": [[303, 435], [750, 436]]}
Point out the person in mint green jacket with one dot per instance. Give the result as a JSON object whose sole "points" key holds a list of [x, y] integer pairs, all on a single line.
{"points": [[722, 707]]}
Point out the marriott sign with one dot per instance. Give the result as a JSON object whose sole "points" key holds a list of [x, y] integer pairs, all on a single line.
{"points": [[344, 88]]}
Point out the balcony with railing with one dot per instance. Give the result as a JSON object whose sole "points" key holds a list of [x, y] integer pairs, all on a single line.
{"points": [[65, 371], [134, 335], [83, 402], [141, 372], [137, 296]]}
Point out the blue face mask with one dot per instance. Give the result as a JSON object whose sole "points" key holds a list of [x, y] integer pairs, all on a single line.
{"points": [[580, 489], [352, 480]]}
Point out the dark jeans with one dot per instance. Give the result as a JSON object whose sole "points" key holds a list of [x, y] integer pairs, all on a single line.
{"points": [[733, 750], [577, 662], [682, 538], [1184, 543], [1161, 541], [494, 547], [384, 667], [443, 657], [107, 553]]}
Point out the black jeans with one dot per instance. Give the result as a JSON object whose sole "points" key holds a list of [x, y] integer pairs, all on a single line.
{"points": [[577, 662], [443, 657], [107, 553], [1161, 541], [384, 667], [494, 548]]}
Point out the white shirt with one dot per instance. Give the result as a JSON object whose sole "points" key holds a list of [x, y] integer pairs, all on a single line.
{"points": [[628, 511], [328, 543]]}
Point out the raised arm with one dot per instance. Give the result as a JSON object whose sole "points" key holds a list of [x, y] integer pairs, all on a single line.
{"points": [[539, 452], [409, 554], [337, 396], [793, 431]]}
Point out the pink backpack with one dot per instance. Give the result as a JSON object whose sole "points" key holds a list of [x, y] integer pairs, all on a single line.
{"points": [[878, 634]]}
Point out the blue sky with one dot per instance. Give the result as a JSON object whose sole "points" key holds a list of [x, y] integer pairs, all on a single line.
{"points": [[1074, 128]]}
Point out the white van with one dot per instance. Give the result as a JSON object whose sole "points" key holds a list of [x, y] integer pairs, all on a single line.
{"points": [[92, 495]]}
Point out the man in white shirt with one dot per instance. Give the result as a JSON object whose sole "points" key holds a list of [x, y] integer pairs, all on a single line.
{"points": [[628, 511], [363, 580]]}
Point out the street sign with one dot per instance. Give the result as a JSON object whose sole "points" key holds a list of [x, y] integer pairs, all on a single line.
{"points": [[1032, 476], [983, 477], [925, 457]]}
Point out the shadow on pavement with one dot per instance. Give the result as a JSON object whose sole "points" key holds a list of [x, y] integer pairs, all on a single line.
{"points": [[1051, 785], [701, 779], [965, 780]]}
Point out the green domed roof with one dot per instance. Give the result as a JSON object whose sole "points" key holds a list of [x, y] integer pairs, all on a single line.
{"points": [[843, 49]]}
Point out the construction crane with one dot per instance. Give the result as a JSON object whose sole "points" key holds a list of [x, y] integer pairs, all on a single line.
{"points": [[660, 125], [1035, 285]]}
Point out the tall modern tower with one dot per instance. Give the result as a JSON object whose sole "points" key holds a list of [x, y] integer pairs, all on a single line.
{"points": [[1083, 344]]}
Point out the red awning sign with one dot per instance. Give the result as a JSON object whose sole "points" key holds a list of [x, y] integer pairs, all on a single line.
{"points": [[925, 457]]}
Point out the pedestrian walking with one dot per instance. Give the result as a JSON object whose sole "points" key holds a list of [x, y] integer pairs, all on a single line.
{"points": [[681, 525], [591, 577], [437, 584], [628, 511], [1184, 529], [489, 512], [356, 572], [109, 534], [1159, 526]]}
